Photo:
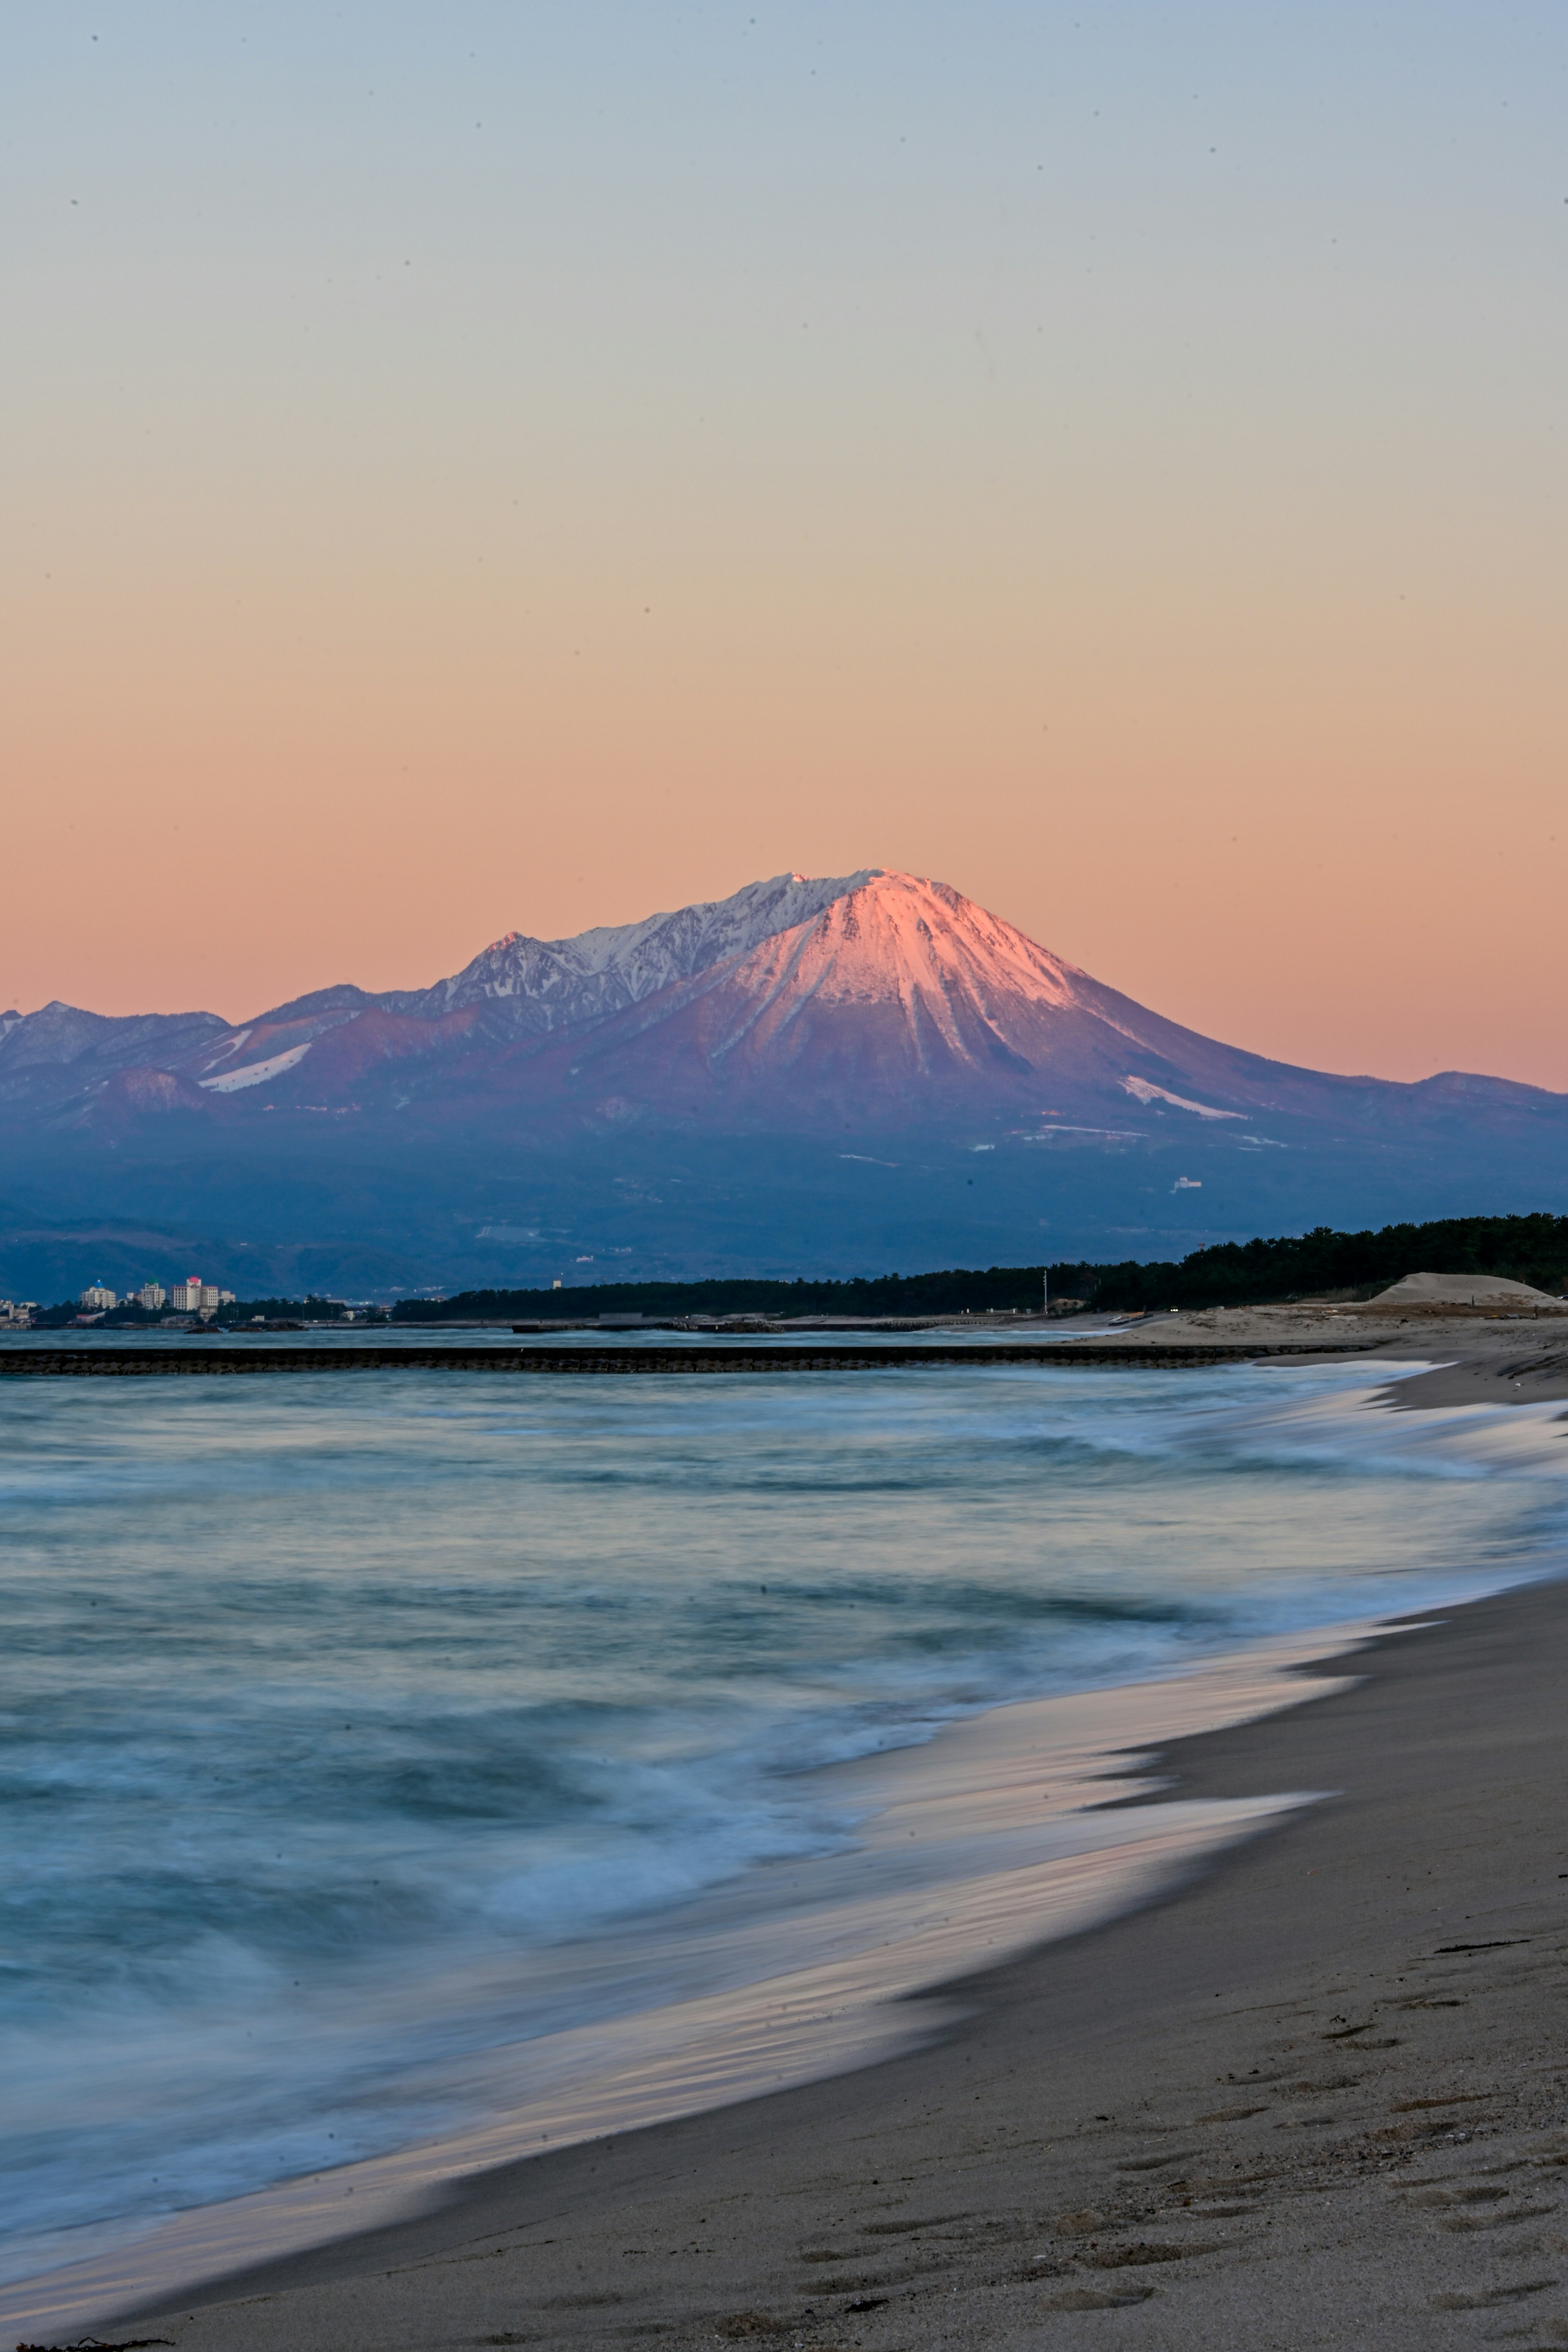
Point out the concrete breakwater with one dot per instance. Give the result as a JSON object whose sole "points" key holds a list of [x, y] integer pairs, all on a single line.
{"points": [[205, 1359]]}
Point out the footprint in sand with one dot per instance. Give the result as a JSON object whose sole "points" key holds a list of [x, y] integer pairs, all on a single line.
{"points": [[1460, 2193], [1092, 2298], [1079, 2223], [1487, 2299], [1497, 2221], [1115, 2258]]}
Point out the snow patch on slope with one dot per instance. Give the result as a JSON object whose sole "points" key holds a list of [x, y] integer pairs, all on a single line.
{"points": [[1146, 1093], [255, 1073], [233, 1046]]}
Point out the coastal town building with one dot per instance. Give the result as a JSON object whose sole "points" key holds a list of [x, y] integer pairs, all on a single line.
{"points": [[194, 1296], [16, 1314]]}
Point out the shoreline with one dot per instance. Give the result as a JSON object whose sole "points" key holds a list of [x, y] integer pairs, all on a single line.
{"points": [[989, 1838], [1472, 1356], [1323, 2077], [828, 2009]]}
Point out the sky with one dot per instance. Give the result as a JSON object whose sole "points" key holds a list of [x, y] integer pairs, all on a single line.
{"points": [[473, 468]]}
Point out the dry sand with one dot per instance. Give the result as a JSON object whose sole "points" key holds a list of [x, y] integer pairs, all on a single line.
{"points": [[1412, 1328], [1492, 1291], [1513, 1357], [1319, 2097]]}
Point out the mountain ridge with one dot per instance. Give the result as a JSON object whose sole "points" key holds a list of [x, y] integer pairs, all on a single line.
{"points": [[768, 929], [563, 983], [824, 1074]]}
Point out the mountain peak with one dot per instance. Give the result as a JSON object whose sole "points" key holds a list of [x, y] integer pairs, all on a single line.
{"points": [[895, 979], [955, 973]]}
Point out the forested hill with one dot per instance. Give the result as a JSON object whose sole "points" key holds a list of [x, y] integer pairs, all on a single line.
{"points": [[1531, 1249]]}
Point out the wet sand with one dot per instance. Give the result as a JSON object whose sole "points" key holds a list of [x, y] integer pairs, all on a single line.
{"points": [[1319, 2097], [1506, 1376]]}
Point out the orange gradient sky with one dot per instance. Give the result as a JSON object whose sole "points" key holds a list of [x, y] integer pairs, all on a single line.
{"points": [[488, 468]]}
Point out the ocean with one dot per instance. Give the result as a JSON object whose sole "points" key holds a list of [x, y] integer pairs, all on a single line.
{"points": [[366, 1744]]}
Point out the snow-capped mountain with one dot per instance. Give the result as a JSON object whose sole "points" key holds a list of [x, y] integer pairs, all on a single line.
{"points": [[826, 1074], [903, 1000], [882, 996]]}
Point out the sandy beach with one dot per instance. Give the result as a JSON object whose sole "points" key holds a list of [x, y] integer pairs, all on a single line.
{"points": [[1317, 2097], [1476, 1358]]}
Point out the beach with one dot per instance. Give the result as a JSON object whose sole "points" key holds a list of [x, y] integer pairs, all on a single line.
{"points": [[1086, 1953], [1318, 2095]]}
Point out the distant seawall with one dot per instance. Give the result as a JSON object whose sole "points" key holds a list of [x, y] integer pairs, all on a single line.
{"points": [[205, 1361]]}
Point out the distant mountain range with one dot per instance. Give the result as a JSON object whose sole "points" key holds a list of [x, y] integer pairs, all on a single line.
{"points": [[833, 1076]]}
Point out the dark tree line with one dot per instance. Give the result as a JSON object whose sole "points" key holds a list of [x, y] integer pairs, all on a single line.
{"points": [[1247, 1274], [1228, 1274], [887, 1294]]}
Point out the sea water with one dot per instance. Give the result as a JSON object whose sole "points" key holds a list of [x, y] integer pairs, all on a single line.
{"points": [[356, 1731]]}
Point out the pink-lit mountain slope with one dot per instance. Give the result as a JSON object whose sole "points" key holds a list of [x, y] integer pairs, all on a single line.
{"points": [[899, 997], [873, 1000], [901, 1001]]}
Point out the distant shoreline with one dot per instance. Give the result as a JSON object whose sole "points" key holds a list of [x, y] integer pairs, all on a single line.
{"points": [[701, 1357], [1465, 1357]]}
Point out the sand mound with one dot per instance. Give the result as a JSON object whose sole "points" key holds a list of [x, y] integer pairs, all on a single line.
{"points": [[1464, 1290]]}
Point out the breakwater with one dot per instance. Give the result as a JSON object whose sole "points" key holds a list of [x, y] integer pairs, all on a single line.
{"points": [[206, 1360]]}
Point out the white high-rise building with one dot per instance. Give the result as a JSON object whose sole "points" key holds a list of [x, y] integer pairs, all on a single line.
{"points": [[97, 1298], [185, 1297], [152, 1295]]}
